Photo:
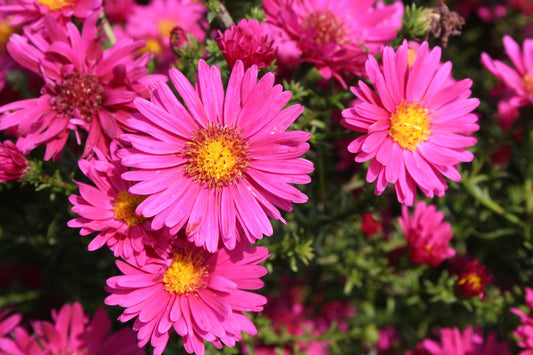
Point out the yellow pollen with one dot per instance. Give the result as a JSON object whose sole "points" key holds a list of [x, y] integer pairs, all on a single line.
{"points": [[165, 27], [5, 31], [56, 4], [472, 280], [217, 156], [124, 208], [527, 81], [409, 125], [411, 56], [152, 46], [186, 274]]}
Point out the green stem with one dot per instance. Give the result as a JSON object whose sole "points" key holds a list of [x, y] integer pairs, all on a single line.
{"points": [[108, 30]]}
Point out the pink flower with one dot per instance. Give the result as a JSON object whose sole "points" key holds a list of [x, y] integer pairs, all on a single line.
{"points": [[70, 334], [109, 209], [155, 21], [13, 164], [524, 332], [415, 126], [467, 342], [221, 164], [118, 11], [520, 78], [200, 295], [86, 87], [473, 279], [428, 236], [370, 225], [336, 36], [248, 41], [7, 323], [31, 12]]}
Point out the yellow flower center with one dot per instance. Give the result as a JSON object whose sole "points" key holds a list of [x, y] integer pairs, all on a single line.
{"points": [[152, 46], [409, 125], [217, 156], [328, 27], [124, 208], [56, 4], [471, 280], [527, 81], [5, 31], [165, 27], [186, 274]]}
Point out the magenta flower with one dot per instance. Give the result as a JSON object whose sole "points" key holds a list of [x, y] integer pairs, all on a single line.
{"points": [[221, 164], [200, 295], [467, 342], [109, 210], [520, 78], [86, 88], [31, 12], [336, 36], [7, 323], [524, 332], [415, 126], [248, 41], [473, 279], [428, 236], [13, 164]]}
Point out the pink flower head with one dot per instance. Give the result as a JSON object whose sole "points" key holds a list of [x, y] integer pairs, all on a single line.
{"points": [[154, 23], [473, 279], [86, 87], [415, 126], [13, 164], [200, 295], [467, 342], [520, 78], [31, 12], [220, 164], [7, 323], [118, 11], [248, 41], [524, 332], [109, 209], [428, 236], [336, 36]]}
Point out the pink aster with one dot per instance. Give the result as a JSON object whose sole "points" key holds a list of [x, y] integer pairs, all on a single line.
{"points": [[336, 36], [220, 164], [109, 210], [249, 41], [31, 12], [415, 124], [520, 78], [13, 164], [86, 88], [154, 23], [524, 332], [200, 295], [8, 322], [428, 236]]}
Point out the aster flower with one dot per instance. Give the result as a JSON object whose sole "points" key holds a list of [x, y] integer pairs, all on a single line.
{"points": [[428, 236], [31, 12], [13, 164], [415, 126], [8, 322], [200, 295], [520, 78], [221, 164], [248, 41], [109, 210], [86, 88], [467, 342], [524, 332], [154, 23], [70, 334], [336, 36], [473, 279]]}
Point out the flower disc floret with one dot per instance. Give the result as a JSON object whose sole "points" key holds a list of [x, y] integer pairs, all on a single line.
{"points": [[409, 125], [187, 273], [56, 4], [327, 26], [124, 208]]}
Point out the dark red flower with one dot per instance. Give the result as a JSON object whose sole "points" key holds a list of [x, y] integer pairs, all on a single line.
{"points": [[473, 279]]}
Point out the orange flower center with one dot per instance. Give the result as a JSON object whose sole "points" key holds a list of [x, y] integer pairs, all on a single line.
{"points": [[186, 274], [124, 208], [165, 27], [472, 281], [328, 27], [409, 125], [81, 91], [527, 81], [5, 31], [56, 4], [217, 156], [153, 46]]}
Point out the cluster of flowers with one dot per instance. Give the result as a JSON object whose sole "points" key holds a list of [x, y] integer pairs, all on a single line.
{"points": [[183, 186]]}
